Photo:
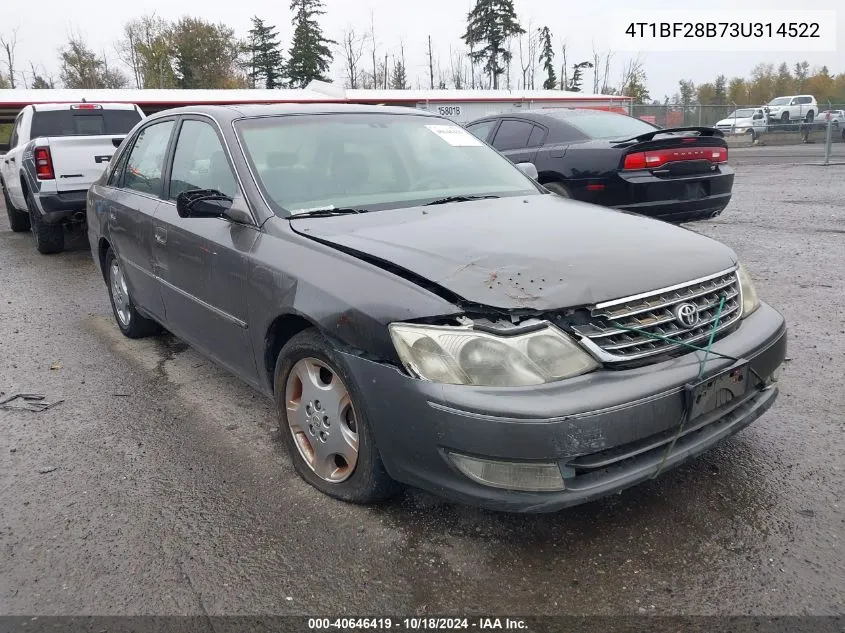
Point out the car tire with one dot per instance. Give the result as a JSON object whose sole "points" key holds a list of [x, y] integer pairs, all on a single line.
{"points": [[49, 238], [18, 220], [128, 319], [784, 118], [810, 116], [752, 134], [558, 188], [310, 368]]}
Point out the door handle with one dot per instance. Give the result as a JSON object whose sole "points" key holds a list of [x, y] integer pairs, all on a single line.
{"points": [[160, 235], [112, 215], [12, 159]]}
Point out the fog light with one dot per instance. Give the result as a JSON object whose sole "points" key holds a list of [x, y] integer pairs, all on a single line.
{"points": [[527, 476]]}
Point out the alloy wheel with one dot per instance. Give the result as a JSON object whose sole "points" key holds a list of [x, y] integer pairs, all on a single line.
{"points": [[322, 420]]}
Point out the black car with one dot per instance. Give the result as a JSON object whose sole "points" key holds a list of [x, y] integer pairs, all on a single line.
{"points": [[678, 174]]}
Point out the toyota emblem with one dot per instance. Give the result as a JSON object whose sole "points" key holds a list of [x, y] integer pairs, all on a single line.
{"points": [[686, 314]]}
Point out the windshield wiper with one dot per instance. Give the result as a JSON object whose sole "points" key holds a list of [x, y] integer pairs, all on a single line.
{"points": [[326, 213], [449, 199]]}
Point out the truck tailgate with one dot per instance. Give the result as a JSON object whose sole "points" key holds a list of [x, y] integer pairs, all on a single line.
{"points": [[79, 160]]}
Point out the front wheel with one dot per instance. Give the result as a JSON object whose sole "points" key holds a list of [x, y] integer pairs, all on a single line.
{"points": [[130, 322], [324, 424], [810, 116]]}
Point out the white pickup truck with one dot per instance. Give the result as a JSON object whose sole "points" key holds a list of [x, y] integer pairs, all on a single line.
{"points": [[56, 152]]}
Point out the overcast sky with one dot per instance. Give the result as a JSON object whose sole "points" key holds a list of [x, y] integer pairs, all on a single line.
{"points": [[583, 25]]}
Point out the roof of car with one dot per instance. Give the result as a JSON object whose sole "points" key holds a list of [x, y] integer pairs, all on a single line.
{"points": [[237, 111]]}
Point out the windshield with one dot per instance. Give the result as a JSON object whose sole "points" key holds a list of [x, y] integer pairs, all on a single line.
{"points": [[608, 125], [371, 161], [780, 101], [83, 122], [741, 114]]}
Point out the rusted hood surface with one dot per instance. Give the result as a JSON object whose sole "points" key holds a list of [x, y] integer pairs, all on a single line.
{"points": [[539, 252]]}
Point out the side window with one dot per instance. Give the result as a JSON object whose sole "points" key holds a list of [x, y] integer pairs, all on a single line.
{"points": [[538, 135], [512, 135], [199, 161], [13, 141], [146, 160], [482, 130], [118, 163]]}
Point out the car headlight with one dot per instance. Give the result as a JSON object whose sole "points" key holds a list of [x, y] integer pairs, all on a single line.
{"points": [[750, 302], [463, 356]]}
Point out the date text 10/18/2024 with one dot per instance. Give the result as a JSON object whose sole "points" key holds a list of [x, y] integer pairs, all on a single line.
{"points": [[416, 624]]}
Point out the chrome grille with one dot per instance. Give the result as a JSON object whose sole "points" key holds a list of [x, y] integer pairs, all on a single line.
{"points": [[608, 335]]}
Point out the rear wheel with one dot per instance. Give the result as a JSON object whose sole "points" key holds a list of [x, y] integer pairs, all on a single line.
{"points": [[130, 322], [18, 220], [49, 238], [324, 424], [558, 188]]}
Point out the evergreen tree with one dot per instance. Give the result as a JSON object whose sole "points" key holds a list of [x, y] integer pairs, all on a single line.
{"points": [[547, 57], [578, 75], [309, 57], [489, 25], [265, 55], [399, 78]]}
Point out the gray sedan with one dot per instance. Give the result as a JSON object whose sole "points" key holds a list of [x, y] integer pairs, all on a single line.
{"points": [[422, 311]]}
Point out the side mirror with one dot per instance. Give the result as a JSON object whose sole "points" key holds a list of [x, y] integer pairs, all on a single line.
{"points": [[202, 203], [529, 169]]}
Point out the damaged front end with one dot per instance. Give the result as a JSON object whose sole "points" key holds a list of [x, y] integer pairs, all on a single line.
{"points": [[490, 352]]}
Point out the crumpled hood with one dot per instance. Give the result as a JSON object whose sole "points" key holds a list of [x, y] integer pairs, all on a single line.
{"points": [[539, 251]]}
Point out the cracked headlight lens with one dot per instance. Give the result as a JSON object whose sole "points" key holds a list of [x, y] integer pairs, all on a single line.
{"points": [[750, 302], [463, 356]]}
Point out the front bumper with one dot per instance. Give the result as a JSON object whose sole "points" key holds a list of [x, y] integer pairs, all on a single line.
{"points": [[611, 426]]}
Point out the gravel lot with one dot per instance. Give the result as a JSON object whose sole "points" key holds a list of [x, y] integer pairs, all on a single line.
{"points": [[169, 491]]}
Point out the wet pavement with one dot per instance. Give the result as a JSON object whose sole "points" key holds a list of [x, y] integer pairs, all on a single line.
{"points": [[160, 485]]}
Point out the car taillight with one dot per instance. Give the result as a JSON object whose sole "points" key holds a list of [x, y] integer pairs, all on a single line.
{"points": [[658, 158], [43, 163], [86, 106]]}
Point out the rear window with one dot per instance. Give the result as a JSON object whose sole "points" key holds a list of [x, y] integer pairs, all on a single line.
{"points": [[83, 122], [608, 125]]}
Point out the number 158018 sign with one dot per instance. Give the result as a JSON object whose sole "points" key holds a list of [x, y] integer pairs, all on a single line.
{"points": [[449, 110]]}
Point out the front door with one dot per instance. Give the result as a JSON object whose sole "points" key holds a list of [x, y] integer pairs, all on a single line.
{"points": [[203, 263], [139, 186]]}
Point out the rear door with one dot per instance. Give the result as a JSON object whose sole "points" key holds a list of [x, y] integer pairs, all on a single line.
{"points": [[138, 187], [203, 263], [518, 140]]}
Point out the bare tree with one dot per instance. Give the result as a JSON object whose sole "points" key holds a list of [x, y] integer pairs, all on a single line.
{"points": [[430, 64], [9, 45], [457, 69], [352, 49], [632, 70], [528, 43], [372, 35], [606, 73]]}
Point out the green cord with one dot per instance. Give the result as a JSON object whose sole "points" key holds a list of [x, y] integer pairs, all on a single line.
{"points": [[701, 366]]}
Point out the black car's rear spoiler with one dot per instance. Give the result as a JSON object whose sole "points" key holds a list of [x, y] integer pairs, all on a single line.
{"points": [[648, 136]]}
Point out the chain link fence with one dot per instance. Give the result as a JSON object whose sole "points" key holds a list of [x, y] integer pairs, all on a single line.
{"points": [[821, 125]]}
